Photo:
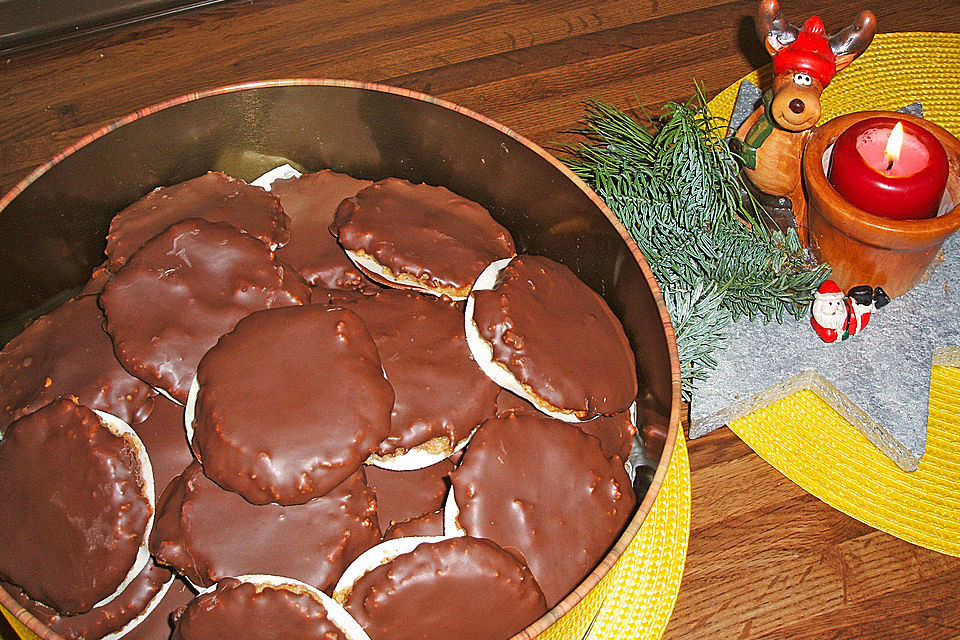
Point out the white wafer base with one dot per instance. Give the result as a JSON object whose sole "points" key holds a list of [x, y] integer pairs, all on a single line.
{"points": [[166, 394], [282, 172], [376, 556], [190, 410], [266, 181], [369, 264], [130, 626], [335, 611], [636, 456], [483, 352], [121, 429], [415, 458], [451, 511], [193, 586]]}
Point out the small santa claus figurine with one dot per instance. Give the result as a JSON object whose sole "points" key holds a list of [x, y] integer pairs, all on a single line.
{"points": [[836, 317]]}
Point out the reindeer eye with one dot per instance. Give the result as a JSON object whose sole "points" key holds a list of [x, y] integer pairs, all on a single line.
{"points": [[802, 79]]}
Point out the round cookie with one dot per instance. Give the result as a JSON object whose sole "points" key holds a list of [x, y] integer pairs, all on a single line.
{"points": [[441, 394], [67, 352], [543, 487], [419, 236], [615, 432], [215, 197], [290, 403], [311, 201], [129, 610], [538, 331], [402, 495], [171, 301], [207, 533], [457, 588], [77, 495], [263, 607]]}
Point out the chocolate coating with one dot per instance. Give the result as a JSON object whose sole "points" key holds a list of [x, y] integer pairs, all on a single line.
{"points": [[158, 625], [207, 533], [456, 589], [67, 352], [200, 278], [543, 487], [614, 432], [440, 390], [557, 337], [97, 280], [74, 511], [427, 234], [163, 435], [402, 495], [310, 201], [215, 197], [109, 618], [429, 524], [291, 402], [336, 297], [255, 612]]}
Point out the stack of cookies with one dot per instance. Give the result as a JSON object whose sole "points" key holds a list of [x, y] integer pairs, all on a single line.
{"points": [[332, 408]]}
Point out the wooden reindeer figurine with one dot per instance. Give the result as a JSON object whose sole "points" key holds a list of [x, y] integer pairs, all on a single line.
{"points": [[804, 62]]}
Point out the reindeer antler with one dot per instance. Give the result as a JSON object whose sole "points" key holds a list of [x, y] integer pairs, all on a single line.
{"points": [[856, 38], [773, 28]]}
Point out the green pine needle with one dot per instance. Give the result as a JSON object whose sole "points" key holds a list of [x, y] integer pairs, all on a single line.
{"points": [[674, 184]]}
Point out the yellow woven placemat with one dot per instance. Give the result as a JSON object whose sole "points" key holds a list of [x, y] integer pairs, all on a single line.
{"points": [[804, 438], [636, 597], [811, 444]]}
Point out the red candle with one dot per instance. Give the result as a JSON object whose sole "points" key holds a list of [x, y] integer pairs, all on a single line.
{"points": [[904, 184]]}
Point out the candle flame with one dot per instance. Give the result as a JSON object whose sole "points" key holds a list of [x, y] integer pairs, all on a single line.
{"points": [[892, 152]]}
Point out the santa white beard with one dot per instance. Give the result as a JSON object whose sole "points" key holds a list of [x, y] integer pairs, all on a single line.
{"points": [[830, 313]]}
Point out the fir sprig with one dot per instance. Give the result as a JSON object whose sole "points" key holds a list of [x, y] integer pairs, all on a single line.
{"points": [[674, 184]]}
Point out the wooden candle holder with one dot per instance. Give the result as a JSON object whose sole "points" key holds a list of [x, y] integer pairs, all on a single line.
{"points": [[863, 248]]}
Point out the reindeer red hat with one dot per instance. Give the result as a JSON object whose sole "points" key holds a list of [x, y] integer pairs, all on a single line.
{"points": [[810, 53]]}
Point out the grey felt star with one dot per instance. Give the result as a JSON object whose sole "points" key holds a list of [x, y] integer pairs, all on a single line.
{"points": [[879, 379]]}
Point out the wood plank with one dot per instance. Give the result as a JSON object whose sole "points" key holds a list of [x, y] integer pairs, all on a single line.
{"points": [[796, 568], [484, 47]]}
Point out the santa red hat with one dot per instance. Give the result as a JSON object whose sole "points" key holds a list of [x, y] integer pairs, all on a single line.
{"points": [[810, 53], [829, 290]]}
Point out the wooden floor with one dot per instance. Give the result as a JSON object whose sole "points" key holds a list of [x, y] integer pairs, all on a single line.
{"points": [[766, 560]]}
